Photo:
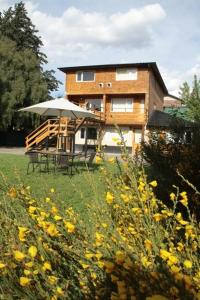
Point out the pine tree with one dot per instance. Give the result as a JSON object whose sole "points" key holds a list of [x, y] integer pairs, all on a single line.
{"points": [[23, 81], [191, 98]]}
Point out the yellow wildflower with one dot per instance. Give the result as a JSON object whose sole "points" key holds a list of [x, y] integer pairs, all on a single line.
{"points": [[93, 275], [157, 217], [148, 245], [109, 266], [89, 255], [47, 199], [2, 265], [125, 198], [18, 255], [12, 192], [104, 225], [180, 247], [52, 190], [175, 269], [52, 279], [69, 227], [29, 264], [153, 183], [187, 264], [22, 233], [172, 260], [136, 210], [54, 210], [164, 254], [32, 251], [145, 262], [32, 209], [109, 198], [172, 196], [52, 231], [27, 272], [60, 291], [57, 218], [24, 281], [46, 266], [120, 257], [98, 159]]}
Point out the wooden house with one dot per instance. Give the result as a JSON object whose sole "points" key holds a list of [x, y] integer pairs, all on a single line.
{"points": [[121, 94]]}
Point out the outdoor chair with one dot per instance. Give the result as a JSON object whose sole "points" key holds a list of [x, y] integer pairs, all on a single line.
{"points": [[36, 162], [64, 162]]}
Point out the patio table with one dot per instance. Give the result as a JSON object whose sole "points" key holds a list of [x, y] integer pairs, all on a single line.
{"points": [[55, 157]]}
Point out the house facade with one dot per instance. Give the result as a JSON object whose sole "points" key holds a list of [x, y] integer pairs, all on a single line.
{"points": [[121, 94]]}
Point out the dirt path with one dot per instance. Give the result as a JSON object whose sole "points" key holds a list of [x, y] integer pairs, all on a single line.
{"points": [[12, 150]]}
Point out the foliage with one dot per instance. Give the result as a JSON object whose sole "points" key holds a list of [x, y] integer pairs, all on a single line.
{"points": [[134, 246], [23, 80], [176, 150], [191, 98], [21, 83]]}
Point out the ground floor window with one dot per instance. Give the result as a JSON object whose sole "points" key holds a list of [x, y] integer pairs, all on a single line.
{"points": [[91, 133]]}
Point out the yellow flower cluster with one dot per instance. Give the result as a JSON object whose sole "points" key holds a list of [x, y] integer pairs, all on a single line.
{"points": [[129, 246]]}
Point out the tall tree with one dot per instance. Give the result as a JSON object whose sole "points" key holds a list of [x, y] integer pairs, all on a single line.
{"points": [[23, 80], [21, 84], [191, 98], [17, 26]]}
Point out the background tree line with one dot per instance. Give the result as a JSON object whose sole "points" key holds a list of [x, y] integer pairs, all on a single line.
{"points": [[23, 80]]}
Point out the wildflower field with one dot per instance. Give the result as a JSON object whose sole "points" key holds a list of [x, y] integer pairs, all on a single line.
{"points": [[97, 235]]}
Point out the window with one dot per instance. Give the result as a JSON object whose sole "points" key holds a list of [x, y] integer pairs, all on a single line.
{"points": [[122, 105], [126, 74], [85, 76], [82, 133], [91, 133], [142, 105], [95, 104]]}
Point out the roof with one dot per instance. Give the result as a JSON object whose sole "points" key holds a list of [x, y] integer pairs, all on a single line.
{"points": [[161, 120], [149, 65]]}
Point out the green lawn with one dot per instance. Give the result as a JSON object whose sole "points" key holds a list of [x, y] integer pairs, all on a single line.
{"points": [[76, 191]]}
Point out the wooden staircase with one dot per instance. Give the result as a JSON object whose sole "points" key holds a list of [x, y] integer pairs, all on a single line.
{"points": [[46, 135], [58, 134]]}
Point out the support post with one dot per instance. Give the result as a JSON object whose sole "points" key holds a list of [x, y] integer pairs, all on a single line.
{"points": [[86, 138]]}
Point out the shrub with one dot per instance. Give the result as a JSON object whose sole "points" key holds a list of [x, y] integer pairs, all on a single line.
{"points": [[135, 247]]}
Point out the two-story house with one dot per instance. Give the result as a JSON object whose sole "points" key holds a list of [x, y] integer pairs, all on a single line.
{"points": [[124, 95]]}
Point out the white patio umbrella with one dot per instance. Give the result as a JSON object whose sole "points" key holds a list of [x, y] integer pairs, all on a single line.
{"points": [[60, 107]]}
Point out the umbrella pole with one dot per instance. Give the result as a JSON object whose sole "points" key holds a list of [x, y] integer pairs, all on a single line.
{"points": [[58, 137]]}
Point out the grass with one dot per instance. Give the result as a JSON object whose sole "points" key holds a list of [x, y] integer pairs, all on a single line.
{"points": [[73, 190]]}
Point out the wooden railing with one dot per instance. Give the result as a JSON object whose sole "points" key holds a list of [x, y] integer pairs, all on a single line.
{"points": [[52, 127], [49, 128]]}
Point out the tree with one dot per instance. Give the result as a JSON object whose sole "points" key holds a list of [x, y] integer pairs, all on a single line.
{"points": [[191, 98], [23, 81], [17, 26]]}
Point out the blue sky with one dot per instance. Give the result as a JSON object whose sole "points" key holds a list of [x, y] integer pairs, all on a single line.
{"points": [[84, 32]]}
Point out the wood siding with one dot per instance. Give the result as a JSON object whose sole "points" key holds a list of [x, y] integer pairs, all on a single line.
{"points": [[107, 76], [136, 117], [156, 94]]}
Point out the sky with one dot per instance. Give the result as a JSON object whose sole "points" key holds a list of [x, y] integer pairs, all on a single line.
{"points": [[91, 32]]}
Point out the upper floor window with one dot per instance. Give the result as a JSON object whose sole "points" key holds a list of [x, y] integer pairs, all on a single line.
{"points": [[85, 76], [95, 104], [126, 74], [122, 105]]}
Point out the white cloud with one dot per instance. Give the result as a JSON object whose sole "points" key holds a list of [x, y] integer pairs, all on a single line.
{"points": [[4, 4], [76, 32], [175, 79]]}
